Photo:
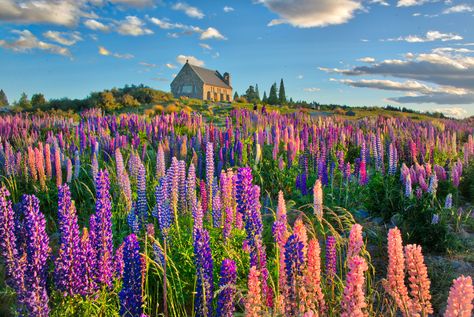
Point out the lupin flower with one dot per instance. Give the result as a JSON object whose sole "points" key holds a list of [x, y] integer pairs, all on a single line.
{"points": [[8, 243], [312, 277], [294, 261], [448, 204], [37, 253], [433, 185], [204, 267], [408, 189], [119, 262], [418, 281], [160, 162], [225, 299], [182, 186], [355, 241], [103, 243], [40, 166], [331, 257], [461, 296], [142, 204], [47, 161], [191, 186], [163, 210], [253, 301], [131, 300], [57, 165], [67, 263], [299, 229], [353, 300], [216, 206], [395, 283], [88, 263], [68, 170], [318, 199], [209, 170]]}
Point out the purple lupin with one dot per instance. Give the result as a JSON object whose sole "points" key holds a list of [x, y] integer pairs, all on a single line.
{"points": [[67, 263]]}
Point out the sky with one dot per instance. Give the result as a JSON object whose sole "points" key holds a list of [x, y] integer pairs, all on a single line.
{"points": [[409, 53]]}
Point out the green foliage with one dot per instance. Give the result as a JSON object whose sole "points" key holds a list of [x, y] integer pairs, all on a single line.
{"points": [[466, 186], [38, 101]]}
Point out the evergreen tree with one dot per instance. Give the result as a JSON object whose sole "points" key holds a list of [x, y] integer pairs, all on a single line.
{"points": [[257, 93], [282, 94], [3, 99], [264, 99], [273, 96], [38, 101], [236, 96]]}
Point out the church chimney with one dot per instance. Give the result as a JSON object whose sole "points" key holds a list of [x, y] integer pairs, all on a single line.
{"points": [[227, 79]]}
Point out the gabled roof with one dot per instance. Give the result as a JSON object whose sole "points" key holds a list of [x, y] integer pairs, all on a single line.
{"points": [[210, 77]]}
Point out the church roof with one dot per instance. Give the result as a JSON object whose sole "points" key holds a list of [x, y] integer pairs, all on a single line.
{"points": [[210, 77]]}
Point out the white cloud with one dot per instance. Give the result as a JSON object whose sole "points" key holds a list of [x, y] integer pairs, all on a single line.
{"points": [[167, 25], [228, 9], [381, 2], [455, 112], [300, 76], [96, 25], [205, 46], [191, 59], [310, 13], [311, 89], [27, 42], [430, 36], [133, 26], [190, 11], [60, 12], [461, 8], [64, 38], [149, 65], [170, 66], [212, 33], [135, 3], [367, 60], [411, 3], [450, 69], [105, 52]]}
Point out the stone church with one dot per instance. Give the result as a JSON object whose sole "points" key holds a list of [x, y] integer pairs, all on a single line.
{"points": [[201, 83]]}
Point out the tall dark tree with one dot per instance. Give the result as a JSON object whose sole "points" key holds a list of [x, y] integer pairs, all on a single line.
{"points": [[38, 101], [282, 94], [273, 96], [3, 99], [264, 98], [236, 96], [257, 93]]}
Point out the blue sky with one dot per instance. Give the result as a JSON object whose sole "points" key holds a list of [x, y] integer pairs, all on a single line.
{"points": [[412, 53]]}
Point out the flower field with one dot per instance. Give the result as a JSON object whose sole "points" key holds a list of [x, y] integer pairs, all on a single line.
{"points": [[250, 214]]}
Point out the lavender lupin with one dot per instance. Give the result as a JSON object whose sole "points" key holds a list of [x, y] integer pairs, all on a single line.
{"points": [[204, 267], [131, 300], [102, 240], [8, 243], [37, 253], [142, 204], [225, 300], [67, 263]]}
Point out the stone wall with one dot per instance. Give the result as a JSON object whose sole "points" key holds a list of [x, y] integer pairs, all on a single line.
{"points": [[217, 93], [187, 84]]}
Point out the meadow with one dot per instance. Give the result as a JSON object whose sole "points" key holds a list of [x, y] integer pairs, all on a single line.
{"points": [[234, 212]]}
